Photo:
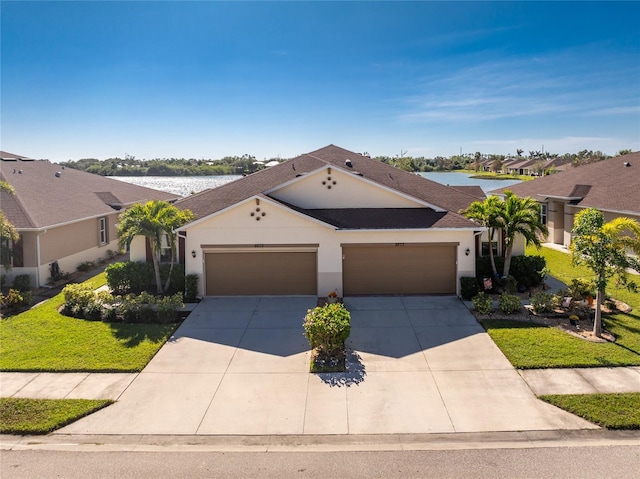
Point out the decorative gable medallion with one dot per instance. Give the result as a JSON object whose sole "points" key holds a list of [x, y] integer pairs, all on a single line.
{"points": [[329, 181], [258, 212]]}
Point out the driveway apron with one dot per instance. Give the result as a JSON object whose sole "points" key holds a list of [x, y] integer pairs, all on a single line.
{"points": [[240, 365]]}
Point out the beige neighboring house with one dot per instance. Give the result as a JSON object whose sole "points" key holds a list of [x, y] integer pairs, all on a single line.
{"points": [[612, 186], [63, 215], [329, 220]]}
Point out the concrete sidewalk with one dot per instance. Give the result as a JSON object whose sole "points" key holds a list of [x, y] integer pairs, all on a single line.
{"points": [[113, 385]]}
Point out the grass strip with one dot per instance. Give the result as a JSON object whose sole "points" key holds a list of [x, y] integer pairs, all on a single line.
{"points": [[612, 411], [41, 416], [41, 339], [531, 346]]}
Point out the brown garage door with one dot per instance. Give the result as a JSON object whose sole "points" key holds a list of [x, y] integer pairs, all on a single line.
{"points": [[260, 273], [399, 269]]}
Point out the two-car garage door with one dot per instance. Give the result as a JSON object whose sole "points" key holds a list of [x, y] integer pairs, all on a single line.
{"points": [[399, 269], [367, 269]]}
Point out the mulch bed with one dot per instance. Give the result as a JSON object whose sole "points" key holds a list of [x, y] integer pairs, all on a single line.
{"points": [[583, 328]]}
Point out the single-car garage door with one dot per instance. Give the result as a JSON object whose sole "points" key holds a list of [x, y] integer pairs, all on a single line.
{"points": [[261, 273], [399, 269]]}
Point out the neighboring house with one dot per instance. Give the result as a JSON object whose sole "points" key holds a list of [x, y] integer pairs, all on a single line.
{"points": [[63, 215], [612, 186], [329, 220]]}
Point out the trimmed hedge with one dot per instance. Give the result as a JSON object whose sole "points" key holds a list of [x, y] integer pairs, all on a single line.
{"points": [[137, 277], [528, 271]]}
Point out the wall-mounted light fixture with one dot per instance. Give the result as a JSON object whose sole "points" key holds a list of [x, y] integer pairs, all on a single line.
{"points": [[193, 253], [467, 251]]}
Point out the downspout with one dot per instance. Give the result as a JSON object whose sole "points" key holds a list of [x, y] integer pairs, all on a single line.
{"points": [[38, 257]]}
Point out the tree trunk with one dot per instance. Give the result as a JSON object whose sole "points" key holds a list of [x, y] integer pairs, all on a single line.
{"points": [[156, 269], [507, 260], [173, 259], [491, 257], [597, 320]]}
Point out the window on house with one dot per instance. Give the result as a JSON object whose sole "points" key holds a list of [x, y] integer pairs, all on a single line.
{"points": [[543, 214], [485, 248], [165, 249], [102, 230], [14, 251]]}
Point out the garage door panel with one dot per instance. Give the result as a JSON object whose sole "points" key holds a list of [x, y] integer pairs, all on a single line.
{"points": [[264, 273], [402, 269]]}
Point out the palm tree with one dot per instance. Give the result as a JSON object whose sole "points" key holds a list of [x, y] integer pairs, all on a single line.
{"points": [[603, 248], [477, 158], [486, 213], [153, 220], [519, 216]]}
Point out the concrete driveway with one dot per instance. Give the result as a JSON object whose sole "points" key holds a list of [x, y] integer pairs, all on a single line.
{"points": [[239, 366]]}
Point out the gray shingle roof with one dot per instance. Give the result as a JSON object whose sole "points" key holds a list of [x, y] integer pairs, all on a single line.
{"points": [[607, 185], [448, 198], [43, 198]]}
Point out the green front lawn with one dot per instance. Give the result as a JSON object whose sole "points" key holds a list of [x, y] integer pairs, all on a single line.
{"points": [[613, 411], [42, 339], [529, 346], [41, 416]]}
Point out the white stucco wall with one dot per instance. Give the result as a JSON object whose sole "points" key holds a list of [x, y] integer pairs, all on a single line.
{"points": [[280, 226]]}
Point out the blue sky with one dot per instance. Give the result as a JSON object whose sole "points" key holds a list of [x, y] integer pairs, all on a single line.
{"points": [[210, 79]]}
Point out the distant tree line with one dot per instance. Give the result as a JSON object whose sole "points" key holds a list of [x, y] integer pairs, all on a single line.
{"points": [[246, 164]]}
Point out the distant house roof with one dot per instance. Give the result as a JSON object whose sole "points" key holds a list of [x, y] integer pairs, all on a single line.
{"points": [[47, 194], [610, 185], [451, 199]]}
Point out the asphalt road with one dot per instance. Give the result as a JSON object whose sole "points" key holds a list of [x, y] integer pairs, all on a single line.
{"points": [[554, 462]]}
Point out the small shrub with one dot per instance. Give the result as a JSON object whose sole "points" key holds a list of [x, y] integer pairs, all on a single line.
{"points": [[580, 289], [327, 327], [542, 302], [92, 311], [190, 287], [167, 308], [77, 294], [482, 303], [468, 287], [22, 283], [14, 298], [509, 303], [85, 266], [528, 270], [130, 276], [511, 284]]}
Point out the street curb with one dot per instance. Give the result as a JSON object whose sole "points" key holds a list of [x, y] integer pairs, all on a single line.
{"points": [[322, 443]]}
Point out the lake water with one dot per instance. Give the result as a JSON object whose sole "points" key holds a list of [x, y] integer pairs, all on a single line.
{"points": [[179, 185], [187, 185], [464, 179]]}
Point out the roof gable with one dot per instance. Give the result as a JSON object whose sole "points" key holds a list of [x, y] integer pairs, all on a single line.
{"points": [[404, 183], [332, 187]]}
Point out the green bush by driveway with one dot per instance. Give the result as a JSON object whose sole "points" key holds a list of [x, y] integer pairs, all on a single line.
{"points": [[42, 339]]}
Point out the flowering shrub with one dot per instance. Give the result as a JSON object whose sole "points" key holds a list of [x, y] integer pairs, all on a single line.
{"points": [[327, 327], [481, 303], [509, 303], [542, 302]]}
